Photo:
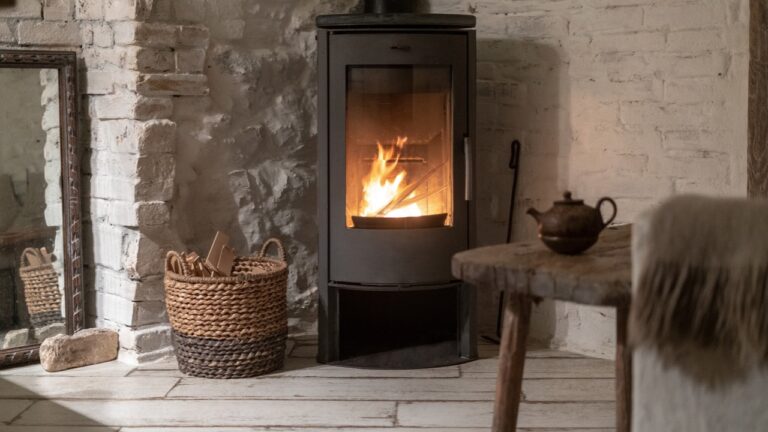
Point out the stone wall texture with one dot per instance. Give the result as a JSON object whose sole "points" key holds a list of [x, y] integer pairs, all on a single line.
{"points": [[128, 78], [199, 115], [247, 152]]}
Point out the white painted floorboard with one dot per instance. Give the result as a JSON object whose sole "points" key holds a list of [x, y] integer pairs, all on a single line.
{"points": [[532, 415], [4, 428], [111, 369], [12, 408], [56, 387], [562, 392], [392, 389], [208, 413]]}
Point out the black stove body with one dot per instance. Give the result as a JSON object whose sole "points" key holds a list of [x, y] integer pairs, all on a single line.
{"points": [[396, 128]]}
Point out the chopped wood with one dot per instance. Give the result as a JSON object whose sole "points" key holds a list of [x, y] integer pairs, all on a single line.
{"points": [[221, 257], [418, 198]]}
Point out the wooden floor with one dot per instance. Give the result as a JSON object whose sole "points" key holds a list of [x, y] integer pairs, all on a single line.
{"points": [[562, 392]]}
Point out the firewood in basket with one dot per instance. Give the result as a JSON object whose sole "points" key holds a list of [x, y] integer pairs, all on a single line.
{"points": [[46, 256], [221, 257], [403, 195], [33, 256], [226, 261], [198, 267]]}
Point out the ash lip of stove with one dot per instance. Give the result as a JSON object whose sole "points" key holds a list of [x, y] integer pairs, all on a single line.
{"points": [[396, 125]]}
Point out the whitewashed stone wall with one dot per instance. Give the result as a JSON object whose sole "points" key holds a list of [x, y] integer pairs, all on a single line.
{"points": [[129, 75], [134, 166], [249, 149], [634, 99]]}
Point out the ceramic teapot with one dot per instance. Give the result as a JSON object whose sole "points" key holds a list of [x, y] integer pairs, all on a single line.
{"points": [[570, 226]]}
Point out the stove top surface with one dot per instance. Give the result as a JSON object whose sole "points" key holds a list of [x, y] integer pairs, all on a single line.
{"points": [[395, 20]]}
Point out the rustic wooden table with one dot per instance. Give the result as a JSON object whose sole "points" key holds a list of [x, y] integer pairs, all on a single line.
{"points": [[528, 271]]}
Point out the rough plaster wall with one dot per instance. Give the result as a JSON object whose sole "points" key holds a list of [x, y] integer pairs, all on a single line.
{"points": [[634, 99], [248, 164]]}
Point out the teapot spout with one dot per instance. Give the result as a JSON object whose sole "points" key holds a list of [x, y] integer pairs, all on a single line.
{"points": [[534, 213]]}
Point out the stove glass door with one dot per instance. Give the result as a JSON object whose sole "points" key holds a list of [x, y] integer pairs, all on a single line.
{"points": [[399, 157]]}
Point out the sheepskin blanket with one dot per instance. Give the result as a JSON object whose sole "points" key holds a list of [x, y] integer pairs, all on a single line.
{"points": [[701, 282]]}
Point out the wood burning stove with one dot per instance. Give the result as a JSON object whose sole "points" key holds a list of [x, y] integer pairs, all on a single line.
{"points": [[396, 128]]}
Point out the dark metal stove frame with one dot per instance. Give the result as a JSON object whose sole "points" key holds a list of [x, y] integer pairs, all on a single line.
{"points": [[405, 260]]}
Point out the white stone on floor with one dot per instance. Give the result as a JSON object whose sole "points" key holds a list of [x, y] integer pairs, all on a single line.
{"points": [[562, 392]]}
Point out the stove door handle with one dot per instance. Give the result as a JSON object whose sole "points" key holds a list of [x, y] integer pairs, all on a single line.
{"points": [[467, 168]]}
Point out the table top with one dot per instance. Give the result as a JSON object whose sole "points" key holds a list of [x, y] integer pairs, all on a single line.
{"points": [[600, 276]]}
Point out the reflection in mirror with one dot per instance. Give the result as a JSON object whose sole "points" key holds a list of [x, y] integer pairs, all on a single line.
{"points": [[31, 276]]}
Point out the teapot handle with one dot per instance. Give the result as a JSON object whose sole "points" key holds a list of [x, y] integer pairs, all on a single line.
{"points": [[615, 209]]}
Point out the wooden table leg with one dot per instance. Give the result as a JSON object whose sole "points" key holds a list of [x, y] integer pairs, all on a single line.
{"points": [[517, 317], [623, 373]]}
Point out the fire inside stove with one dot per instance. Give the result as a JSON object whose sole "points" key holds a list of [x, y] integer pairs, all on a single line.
{"points": [[386, 196], [399, 148]]}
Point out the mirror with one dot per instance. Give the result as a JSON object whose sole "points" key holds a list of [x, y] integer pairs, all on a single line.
{"points": [[38, 263]]}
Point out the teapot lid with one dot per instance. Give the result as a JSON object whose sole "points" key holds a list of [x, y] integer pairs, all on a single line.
{"points": [[567, 200]]}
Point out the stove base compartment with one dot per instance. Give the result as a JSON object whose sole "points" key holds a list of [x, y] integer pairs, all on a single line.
{"points": [[391, 327]]}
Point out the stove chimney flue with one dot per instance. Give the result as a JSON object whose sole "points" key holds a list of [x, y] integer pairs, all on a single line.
{"points": [[391, 6]]}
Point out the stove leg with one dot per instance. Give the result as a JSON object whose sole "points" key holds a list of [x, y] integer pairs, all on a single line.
{"points": [[328, 323], [509, 383]]}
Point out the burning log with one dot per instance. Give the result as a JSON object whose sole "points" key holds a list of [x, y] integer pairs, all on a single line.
{"points": [[399, 200]]}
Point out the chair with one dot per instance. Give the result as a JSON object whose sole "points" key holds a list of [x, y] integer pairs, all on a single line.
{"points": [[700, 370]]}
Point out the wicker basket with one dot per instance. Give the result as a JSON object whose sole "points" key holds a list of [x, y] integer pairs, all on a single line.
{"points": [[41, 289], [229, 327]]}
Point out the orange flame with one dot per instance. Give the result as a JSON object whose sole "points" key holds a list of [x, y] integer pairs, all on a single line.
{"points": [[379, 188]]}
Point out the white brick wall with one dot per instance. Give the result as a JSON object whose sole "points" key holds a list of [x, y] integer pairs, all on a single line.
{"points": [[48, 33], [624, 82], [696, 73], [648, 98], [129, 78]]}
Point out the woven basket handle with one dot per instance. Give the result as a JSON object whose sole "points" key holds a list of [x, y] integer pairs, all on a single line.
{"points": [[278, 244], [34, 252], [175, 263]]}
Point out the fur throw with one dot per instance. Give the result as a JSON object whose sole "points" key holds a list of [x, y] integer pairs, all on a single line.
{"points": [[701, 281]]}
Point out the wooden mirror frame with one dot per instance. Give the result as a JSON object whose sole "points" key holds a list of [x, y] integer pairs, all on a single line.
{"points": [[758, 100], [65, 62]]}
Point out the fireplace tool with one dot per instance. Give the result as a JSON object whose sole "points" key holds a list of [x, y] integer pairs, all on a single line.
{"points": [[514, 165]]}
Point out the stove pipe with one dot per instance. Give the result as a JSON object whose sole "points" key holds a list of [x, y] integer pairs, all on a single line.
{"points": [[391, 6]]}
